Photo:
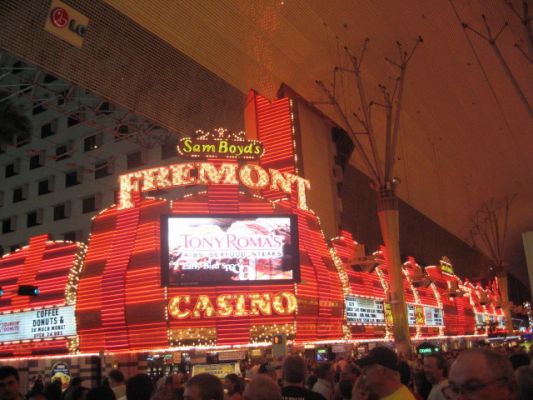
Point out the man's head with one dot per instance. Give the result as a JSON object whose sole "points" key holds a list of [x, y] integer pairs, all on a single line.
{"points": [[139, 386], [481, 374], [324, 371], [262, 387], [435, 368], [116, 378], [524, 380], [381, 368], [203, 387], [9, 383], [294, 370]]}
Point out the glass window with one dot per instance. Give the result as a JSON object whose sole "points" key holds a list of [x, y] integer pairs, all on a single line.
{"points": [[89, 204], [134, 160], [11, 170], [19, 194], [6, 225], [22, 140], [38, 108], [46, 130], [33, 219], [71, 179], [60, 212], [121, 133], [44, 187], [101, 170], [36, 161], [62, 152]]}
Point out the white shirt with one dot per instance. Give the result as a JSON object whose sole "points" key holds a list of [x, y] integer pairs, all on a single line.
{"points": [[324, 388], [436, 391]]}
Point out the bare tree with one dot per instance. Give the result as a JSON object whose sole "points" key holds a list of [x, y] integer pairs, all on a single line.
{"points": [[381, 172], [489, 234]]}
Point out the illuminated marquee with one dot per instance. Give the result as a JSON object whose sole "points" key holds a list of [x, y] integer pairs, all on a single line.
{"points": [[204, 173], [220, 145], [38, 324], [240, 305], [446, 266]]}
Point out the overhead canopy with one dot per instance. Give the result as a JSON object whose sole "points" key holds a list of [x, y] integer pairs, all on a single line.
{"points": [[466, 135]]}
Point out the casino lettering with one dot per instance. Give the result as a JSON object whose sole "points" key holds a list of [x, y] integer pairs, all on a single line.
{"points": [[241, 305]]}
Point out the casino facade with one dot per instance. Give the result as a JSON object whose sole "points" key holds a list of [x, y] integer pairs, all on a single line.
{"points": [[234, 260]]}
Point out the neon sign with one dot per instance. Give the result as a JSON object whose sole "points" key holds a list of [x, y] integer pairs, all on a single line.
{"points": [[240, 305], [204, 173], [220, 145], [446, 266]]}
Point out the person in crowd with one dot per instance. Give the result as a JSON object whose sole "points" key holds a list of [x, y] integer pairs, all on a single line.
{"points": [[350, 371], [324, 382], [361, 391], [518, 360], [267, 368], [294, 369], [345, 389], [52, 390], [79, 393], [232, 383], [100, 393], [381, 372], [310, 381], [139, 387], [37, 387], [481, 374], [36, 396], [524, 380], [436, 372], [405, 373], [203, 387], [73, 384], [117, 383], [165, 389], [422, 386], [262, 387], [9, 383]]}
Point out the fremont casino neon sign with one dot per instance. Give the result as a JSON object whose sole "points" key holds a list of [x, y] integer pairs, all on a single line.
{"points": [[252, 176]]}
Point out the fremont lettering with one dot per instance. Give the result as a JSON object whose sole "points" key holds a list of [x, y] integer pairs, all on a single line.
{"points": [[205, 173]]}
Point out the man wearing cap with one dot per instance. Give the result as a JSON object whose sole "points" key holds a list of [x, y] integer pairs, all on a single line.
{"points": [[380, 369]]}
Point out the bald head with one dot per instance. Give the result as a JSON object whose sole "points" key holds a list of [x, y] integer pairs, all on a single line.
{"points": [[262, 387], [489, 372]]}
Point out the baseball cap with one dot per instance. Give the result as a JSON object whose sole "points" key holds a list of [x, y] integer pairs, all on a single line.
{"points": [[380, 356]]}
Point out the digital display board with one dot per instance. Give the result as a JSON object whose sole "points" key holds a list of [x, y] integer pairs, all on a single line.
{"points": [[415, 314], [223, 249], [360, 310], [433, 316], [38, 324], [424, 315]]}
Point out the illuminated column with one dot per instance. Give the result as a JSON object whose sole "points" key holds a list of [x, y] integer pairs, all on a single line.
{"points": [[389, 222], [506, 306]]}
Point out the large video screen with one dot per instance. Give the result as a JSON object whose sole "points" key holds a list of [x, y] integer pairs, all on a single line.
{"points": [[221, 250]]}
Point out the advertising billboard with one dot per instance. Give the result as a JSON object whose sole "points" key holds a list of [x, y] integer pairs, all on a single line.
{"points": [[361, 310], [224, 249], [38, 324]]}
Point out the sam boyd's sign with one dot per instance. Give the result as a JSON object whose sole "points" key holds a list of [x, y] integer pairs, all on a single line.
{"points": [[38, 324]]}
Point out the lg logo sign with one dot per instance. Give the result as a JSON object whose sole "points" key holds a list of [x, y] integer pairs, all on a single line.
{"points": [[60, 19]]}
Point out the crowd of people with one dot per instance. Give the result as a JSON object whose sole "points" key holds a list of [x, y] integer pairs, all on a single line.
{"points": [[478, 373]]}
